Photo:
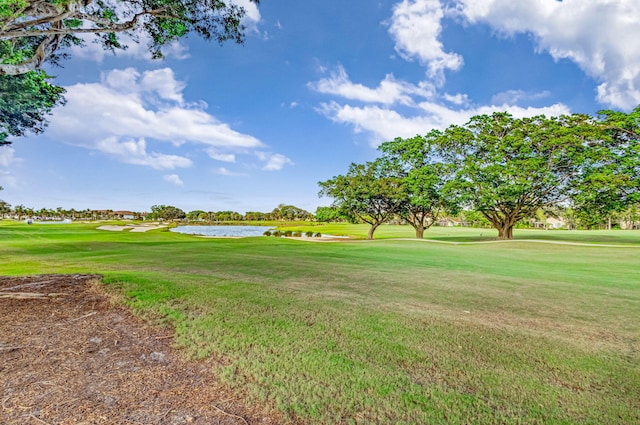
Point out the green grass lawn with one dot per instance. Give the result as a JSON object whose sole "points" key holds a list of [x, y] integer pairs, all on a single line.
{"points": [[389, 331]]}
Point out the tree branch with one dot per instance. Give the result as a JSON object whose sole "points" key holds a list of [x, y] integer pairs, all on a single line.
{"points": [[44, 50]]}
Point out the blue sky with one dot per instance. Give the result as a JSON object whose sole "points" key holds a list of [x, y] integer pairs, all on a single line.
{"points": [[317, 85]]}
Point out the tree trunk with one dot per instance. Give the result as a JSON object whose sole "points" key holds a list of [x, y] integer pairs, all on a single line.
{"points": [[372, 229], [505, 232], [419, 231]]}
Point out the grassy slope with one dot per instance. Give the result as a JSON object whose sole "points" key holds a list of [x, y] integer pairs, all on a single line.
{"points": [[389, 331]]}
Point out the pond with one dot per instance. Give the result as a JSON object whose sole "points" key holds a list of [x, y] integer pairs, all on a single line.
{"points": [[223, 231]]}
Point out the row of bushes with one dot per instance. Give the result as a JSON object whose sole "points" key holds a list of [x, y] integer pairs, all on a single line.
{"points": [[289, 233]]}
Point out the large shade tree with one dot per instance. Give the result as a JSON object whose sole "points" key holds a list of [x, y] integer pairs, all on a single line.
{"points": [[368, 192], [35, 31], [612, 183], [508, 168], [424, 176]]}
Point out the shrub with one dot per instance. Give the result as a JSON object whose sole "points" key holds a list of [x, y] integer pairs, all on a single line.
{"points": [[318, 235], [267, 233], [287, 233], [309, 234], [277, 233], [296, 234]]}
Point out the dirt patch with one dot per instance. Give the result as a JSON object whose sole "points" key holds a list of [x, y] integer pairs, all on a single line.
{"points": [[68, 355]]}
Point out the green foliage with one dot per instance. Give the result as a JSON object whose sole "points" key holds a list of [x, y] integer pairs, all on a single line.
{"points": [[289, 213], [507, 168], [368, 191], [196, 215], [226, 216], [25, 101], [612, 181], [165, 212], [36, 31], [424, 176], [502, 167], [11, 9], [328, 214]]}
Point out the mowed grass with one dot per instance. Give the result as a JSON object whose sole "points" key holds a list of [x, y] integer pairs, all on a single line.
{"points": [[389, 331]]}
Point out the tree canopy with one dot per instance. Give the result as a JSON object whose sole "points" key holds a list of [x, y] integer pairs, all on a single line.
{"points": [[504, 168], [165, 212], [290, 212], [424, 179], [35, 31], [25, 100], [367, 191], [613, 183], [507, 168]]}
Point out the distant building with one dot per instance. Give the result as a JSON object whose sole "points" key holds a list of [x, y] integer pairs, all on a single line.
{"points": [[550, 223], [125, 215]]}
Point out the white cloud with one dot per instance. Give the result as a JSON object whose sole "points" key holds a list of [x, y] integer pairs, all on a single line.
{"points": [[389, 91], [128, 109], [219, 156], [226, 172], [456, 99], [252, 14], [135, 152], [173, 179], [421, 111], [383, 124], [274, 161], [513, 97], [416, 27], [7, 159], [7, 179], [601, 36], [163, 82]]}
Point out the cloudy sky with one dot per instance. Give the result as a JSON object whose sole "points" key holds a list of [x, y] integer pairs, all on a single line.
{"points": [[316, 86]]}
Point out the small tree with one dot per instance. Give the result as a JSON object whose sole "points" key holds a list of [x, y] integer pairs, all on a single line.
{"points": [[5, 208], [368, 191]]}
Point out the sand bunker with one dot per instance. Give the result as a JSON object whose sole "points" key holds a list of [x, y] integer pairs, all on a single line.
{"points": [[138, 228]]}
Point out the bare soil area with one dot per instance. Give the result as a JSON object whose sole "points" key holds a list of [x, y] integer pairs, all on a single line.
{"points": [[69, 355]]}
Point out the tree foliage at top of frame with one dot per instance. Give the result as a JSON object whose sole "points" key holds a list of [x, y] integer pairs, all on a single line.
{"points": [[35, 31]]}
